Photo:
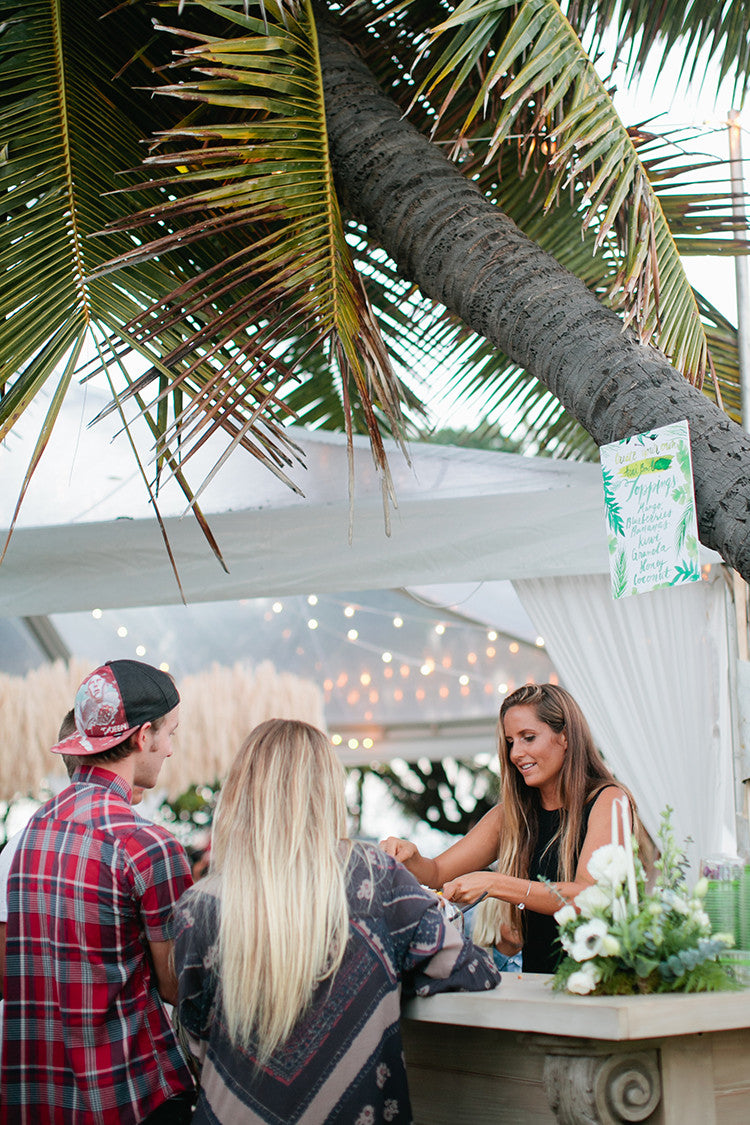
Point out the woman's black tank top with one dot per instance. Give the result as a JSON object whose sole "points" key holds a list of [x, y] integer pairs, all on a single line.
{"points": [[541, 947]]}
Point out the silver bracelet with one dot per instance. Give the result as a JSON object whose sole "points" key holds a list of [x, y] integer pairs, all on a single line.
{"points": [[522, 904]]}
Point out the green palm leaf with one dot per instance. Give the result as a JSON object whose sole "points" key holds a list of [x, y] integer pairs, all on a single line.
{"points": [[254, 178], [69, 123], [716, 31], [539, 58]]}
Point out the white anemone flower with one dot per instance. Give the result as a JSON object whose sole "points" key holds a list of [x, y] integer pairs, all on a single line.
{"points": [[609, 865], [584, 980], [587, 940], [565, 915], [592, 900]]}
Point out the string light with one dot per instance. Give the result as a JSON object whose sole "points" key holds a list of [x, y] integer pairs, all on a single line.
{"points": [[164, 666], [336, 739], [368, 743], [468, 668]]}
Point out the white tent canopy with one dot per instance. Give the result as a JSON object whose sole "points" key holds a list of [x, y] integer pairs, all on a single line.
{"points": [[462, 515], [87, 538]]}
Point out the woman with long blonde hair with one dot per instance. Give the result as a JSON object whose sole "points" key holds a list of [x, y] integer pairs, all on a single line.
{"points": [[555, 811], [292, 952]]}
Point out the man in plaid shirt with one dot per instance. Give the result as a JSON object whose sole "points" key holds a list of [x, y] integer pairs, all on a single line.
{"points": [[87, 1039]]}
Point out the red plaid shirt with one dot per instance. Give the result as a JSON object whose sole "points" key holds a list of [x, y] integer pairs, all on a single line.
{"points": [[86, 1037]]}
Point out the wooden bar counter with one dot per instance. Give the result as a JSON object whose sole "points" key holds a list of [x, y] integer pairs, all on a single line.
{"points": [[524, 1055]]}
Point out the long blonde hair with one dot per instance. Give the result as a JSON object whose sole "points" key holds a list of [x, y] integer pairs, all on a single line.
{"points": [[277, 865], [583, 775]]}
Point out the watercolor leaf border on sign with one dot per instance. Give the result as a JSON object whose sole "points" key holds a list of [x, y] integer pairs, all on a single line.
{"points": [[620, 575], [612, 508]]}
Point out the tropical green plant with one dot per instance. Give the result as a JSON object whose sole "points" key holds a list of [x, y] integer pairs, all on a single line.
{"points": [[265, 268], [449, 795]]}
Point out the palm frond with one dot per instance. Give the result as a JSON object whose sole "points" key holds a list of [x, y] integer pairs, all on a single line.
{"points": [[703, 32], [69, 123], [255, 178], [539, 59]]}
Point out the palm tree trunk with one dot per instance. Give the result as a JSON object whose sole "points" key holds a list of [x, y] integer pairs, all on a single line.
{"points": [[465, 253]]}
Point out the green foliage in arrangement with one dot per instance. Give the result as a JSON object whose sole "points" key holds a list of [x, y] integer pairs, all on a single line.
{"points": [[620, 939]]}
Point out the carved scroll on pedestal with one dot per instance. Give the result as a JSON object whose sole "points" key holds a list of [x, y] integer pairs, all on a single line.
{"points": [[602, 1089]]}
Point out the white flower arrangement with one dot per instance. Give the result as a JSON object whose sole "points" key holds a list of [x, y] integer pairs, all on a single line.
{"points": [[619, 939]]}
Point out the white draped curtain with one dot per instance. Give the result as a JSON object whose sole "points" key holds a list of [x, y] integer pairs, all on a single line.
{"points": [[651, 673]]}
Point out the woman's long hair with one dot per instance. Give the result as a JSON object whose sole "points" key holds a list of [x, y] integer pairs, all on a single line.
{"points": [[582, 777], [279, 863]]}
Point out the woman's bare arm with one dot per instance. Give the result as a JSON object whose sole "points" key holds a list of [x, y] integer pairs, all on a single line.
{"points": [[478, 848], [533, 894]]}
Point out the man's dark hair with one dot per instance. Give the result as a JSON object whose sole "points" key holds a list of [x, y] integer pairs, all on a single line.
{"points": [[68, 727]]}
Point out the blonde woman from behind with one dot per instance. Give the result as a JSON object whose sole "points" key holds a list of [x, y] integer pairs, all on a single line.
{"points": [[293, 952]]}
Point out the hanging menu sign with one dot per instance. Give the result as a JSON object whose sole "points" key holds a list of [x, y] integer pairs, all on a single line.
{"points": [[650, 505]]}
